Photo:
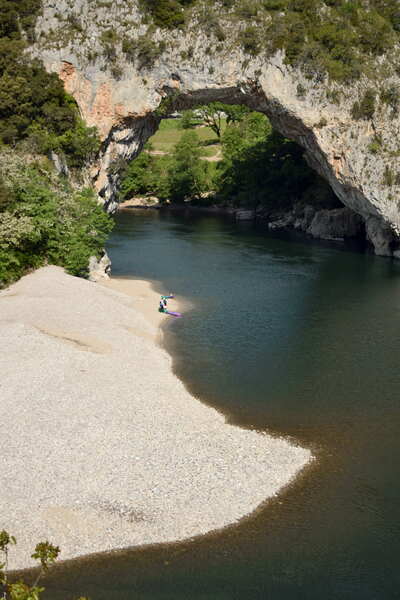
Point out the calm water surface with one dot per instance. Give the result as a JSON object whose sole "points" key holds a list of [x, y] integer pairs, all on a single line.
{"points": [[298, 339]]}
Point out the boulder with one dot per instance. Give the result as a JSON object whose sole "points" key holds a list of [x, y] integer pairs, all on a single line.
{"points": [[336, 224], [99, 268], [380, 235], [284, 221], [140, 202], [245, 215]]}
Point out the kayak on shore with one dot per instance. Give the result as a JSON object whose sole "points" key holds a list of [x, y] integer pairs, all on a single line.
{"points": [[163, 306]]}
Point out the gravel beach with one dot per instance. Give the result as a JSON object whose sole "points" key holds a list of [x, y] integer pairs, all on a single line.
{"points": [[102, 447]]}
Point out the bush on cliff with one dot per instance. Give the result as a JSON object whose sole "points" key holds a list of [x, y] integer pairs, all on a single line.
{"points": [[365, 108], [43, 220], [32, 100], [339, 38], [166, 13]]}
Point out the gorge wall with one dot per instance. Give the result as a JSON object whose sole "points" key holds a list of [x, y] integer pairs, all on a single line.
{"points": [[124, 95]]}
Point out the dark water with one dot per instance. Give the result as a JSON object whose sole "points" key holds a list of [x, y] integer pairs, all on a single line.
{"points": [[299, 339]]}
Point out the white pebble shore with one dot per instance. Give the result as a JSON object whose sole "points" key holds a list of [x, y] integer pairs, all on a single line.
{"points": [[102, 447]]}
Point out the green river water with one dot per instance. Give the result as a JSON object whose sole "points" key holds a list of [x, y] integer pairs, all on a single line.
{"points": [[293, 337]]}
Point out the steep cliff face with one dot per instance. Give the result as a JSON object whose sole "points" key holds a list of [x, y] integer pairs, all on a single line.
{"points": [[124, 97]]}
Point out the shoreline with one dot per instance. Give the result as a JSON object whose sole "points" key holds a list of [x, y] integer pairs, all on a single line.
{"points": [[146, 299], [103, 446]]}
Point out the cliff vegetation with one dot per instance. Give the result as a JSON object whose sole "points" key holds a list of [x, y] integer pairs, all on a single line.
{"points": [[338, 37], [42, 218]]}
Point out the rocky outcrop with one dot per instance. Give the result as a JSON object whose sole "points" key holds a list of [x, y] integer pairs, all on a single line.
{"points": [[122, 96], [140, 202], [245, 215], [382, 237], [99, 268], [327, 224], [336, 224]]}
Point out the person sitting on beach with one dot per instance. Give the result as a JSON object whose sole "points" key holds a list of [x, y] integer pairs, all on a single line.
{"points": [[165, 302], [161, 307]]}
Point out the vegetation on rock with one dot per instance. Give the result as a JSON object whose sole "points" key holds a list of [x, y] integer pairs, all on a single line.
{"points": [[334, 37], [33, 104], [43, 220]]}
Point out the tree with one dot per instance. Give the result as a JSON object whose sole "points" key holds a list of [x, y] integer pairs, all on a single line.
{"points": [[43, 219], [187, 119], [187, 175], [260, 166], [235, 113], [148, 175], [212, 115]]}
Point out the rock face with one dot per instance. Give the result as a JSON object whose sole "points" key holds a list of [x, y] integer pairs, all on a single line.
{"points": [[121, 96], [99, 268], [140, 202], [245, 215], [336, 224]]}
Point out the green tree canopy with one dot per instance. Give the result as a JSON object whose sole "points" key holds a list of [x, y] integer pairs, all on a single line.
{"points": [[187, 174]]}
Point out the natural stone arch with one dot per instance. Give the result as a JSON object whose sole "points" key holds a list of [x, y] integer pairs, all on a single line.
{"points": [[124, 108]]}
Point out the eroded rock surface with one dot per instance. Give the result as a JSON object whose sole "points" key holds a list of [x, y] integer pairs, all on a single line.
{"points": [[336, 224], [120, 96]]}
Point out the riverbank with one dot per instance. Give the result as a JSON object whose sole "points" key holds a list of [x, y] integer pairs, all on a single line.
{"points": [[102, 446]]}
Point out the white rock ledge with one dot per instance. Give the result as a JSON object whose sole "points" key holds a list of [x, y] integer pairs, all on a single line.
{"points": [[102, 447]]}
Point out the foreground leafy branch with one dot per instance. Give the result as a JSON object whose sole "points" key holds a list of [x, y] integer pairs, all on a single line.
{"points": [[45, 553]]}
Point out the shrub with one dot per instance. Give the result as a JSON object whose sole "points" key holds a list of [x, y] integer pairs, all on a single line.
{"points": [[274, 4], [375, 146], [187, 119], [78, 144], [45, 220], [45, 554], [389, 177], [338, 38], [144, 50], [391, 97], [146, 175], [116, 72], [187, 173], [249, 39], [300, 90], [321, 123], [109, 39], [33, 103], [365, 108], [246, 10], [166, 13]]}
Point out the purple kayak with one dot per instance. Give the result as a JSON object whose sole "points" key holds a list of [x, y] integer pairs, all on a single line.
{"points": [[172, 313]]}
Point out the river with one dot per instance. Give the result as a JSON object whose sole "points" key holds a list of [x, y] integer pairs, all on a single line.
{"points": [[297, 338]]}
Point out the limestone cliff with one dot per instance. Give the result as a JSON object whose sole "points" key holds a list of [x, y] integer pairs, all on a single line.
{"points": [[121, 96]]}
